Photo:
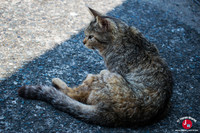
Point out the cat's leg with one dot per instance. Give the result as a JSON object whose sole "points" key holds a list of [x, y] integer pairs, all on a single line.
{"points": [[79, 93], [61, 85], [76, 93], [104, 71], [90, 113], [82, 92]]}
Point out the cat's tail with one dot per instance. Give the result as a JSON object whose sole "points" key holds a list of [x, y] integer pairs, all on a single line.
{"points": [[90, 113]]}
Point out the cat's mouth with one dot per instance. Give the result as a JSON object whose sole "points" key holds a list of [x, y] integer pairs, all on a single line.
{"points": [[88, 46]]}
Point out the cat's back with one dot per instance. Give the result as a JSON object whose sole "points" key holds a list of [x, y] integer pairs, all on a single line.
{"points": [[152, 73]]}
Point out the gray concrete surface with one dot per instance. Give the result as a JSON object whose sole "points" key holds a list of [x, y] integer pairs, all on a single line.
{"points": [[29, 28], [177, 39]]}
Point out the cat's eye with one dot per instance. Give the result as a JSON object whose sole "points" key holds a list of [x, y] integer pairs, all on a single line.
{"points": [[90, 36]]}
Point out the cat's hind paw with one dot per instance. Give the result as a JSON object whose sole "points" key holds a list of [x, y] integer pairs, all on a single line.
{"points": [[59, 84]]}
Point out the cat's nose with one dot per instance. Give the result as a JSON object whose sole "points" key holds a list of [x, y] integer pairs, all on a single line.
{"points": [[84, 41]]}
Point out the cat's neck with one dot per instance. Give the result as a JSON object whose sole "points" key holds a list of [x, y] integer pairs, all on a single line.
{"points": [[122, 59], [128, 52]]}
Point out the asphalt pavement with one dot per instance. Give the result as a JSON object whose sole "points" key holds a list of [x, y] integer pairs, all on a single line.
{"points": [[177, 38]]}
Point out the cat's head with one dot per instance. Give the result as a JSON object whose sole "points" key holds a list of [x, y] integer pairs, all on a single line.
{"points": [[103, 31]]}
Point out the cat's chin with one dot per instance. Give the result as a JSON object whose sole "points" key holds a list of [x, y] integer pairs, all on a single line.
{"points": [[90, 47]]}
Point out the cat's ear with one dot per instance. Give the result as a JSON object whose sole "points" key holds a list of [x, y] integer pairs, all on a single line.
{"points": [[94, 13], [103, 23]]}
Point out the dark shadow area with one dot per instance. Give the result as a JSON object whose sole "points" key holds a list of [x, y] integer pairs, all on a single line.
{"points": [[71, 61]]}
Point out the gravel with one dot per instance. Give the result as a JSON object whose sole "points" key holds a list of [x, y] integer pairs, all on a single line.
{"points": [[177, 40]]}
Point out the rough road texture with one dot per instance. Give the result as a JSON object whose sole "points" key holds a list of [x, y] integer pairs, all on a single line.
{"points": [[28, 28], [177, 38]]}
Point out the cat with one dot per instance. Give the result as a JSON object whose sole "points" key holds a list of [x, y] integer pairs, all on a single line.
{"points": [[134, 90]]}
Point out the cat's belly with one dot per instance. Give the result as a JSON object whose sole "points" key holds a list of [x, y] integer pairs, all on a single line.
{"points": [[112, 90]]}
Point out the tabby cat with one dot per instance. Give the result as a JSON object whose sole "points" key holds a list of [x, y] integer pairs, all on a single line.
{"points": [[134, 90]]}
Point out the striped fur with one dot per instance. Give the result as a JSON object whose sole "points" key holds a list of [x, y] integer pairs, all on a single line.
{"points": [[62, 102], [135, 90]]}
